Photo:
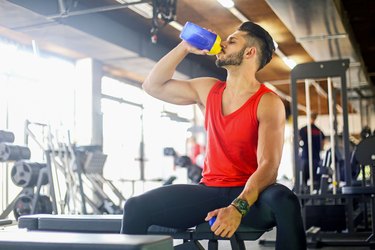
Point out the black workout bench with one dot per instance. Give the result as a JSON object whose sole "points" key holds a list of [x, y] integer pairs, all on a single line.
{"points": [[112, 224], [40, 240]]}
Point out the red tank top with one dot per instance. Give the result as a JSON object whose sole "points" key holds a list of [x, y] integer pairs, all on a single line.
{"points": [[231, 140]]}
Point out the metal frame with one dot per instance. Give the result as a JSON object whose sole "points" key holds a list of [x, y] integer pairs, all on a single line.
{"points": [[316, 70]]}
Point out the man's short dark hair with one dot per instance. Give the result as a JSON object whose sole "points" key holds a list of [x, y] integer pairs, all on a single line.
{"points": [[262, 39]]}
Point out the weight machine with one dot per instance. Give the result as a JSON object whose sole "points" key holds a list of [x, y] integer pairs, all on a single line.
{"points": [[72, 174], [344, 211], [80, 168]]}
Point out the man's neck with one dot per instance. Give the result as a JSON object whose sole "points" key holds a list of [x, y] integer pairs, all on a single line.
{"points": [[239, 80]]}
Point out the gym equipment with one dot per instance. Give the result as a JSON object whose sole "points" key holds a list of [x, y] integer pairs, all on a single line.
{"points": [[10, 152], [194, 172], [5, 222], [91, 223], [6, 136], [82, 241], [80, 168], [29, 201], [365, 155], [26, 174], [23, 205], [89, 163], [319, 70], [99, 223], [356, 231], [170, 180], [169, 151], [365, 132], [112, 224], [326, 217]]}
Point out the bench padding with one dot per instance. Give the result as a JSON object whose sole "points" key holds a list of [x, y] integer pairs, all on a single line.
{"points": [[39, 240], [72, 223], [112, 224]]}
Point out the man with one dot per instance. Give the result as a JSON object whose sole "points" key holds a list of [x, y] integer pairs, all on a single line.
{"points": [[317, 140], [245, 135]]}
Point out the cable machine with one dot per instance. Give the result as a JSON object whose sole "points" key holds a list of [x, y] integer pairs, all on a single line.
{"points": [[337, 208], [319, 70]]}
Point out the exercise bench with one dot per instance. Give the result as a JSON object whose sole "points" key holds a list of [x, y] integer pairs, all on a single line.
{"points": [[41, 240], [112, 223]]}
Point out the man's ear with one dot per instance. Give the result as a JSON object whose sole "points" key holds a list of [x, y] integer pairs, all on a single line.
{"points": [[250, 52]]}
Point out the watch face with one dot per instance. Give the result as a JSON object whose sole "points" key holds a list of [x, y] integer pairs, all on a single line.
{"points": [[242, 205]]}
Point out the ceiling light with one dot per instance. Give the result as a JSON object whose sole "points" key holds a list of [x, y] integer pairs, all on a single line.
{"points": [[238, 14], [275, 44], [290, 62], [270, 86], [143, 9], [176, 25], [226, 3], [35, 47]]}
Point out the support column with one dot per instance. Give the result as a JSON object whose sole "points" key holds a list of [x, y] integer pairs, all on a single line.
{"points": [[97, 116], [88, 115]]}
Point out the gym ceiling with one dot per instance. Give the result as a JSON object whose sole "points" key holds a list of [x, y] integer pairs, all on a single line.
{"points": [[120, 38]]}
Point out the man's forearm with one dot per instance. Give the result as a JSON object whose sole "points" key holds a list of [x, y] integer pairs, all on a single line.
{"points": [[257, 183]]}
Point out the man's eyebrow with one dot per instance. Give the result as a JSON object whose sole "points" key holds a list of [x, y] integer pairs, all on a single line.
{"points": [[231, 38]]}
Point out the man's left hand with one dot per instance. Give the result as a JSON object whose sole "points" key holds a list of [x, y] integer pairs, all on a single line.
{"points": [[227, 221]]}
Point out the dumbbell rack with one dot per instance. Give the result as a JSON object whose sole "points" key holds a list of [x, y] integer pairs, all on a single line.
{"points": [[26, 175], [28, 195], [7, 155]]}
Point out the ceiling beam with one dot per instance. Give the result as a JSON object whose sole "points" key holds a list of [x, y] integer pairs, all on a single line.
{"points": [[123, 35]]}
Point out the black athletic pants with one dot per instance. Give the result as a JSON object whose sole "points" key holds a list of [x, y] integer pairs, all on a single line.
{"points": [[184, 206]]}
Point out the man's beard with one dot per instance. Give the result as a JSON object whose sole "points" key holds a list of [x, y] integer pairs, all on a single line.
{"points": [[233, 59]]}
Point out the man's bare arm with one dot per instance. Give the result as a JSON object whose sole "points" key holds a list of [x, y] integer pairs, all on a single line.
{"points": [[271, 116], [159, 82]]}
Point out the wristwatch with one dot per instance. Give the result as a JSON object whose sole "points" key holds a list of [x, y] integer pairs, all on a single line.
{"points": [[241, 205]]}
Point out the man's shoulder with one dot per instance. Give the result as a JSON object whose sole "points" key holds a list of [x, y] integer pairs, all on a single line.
{"points": [[205, 84], [270, 100], [207, 80]]}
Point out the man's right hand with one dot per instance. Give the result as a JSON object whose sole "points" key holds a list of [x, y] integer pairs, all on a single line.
{"points": [[191, 49]]}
